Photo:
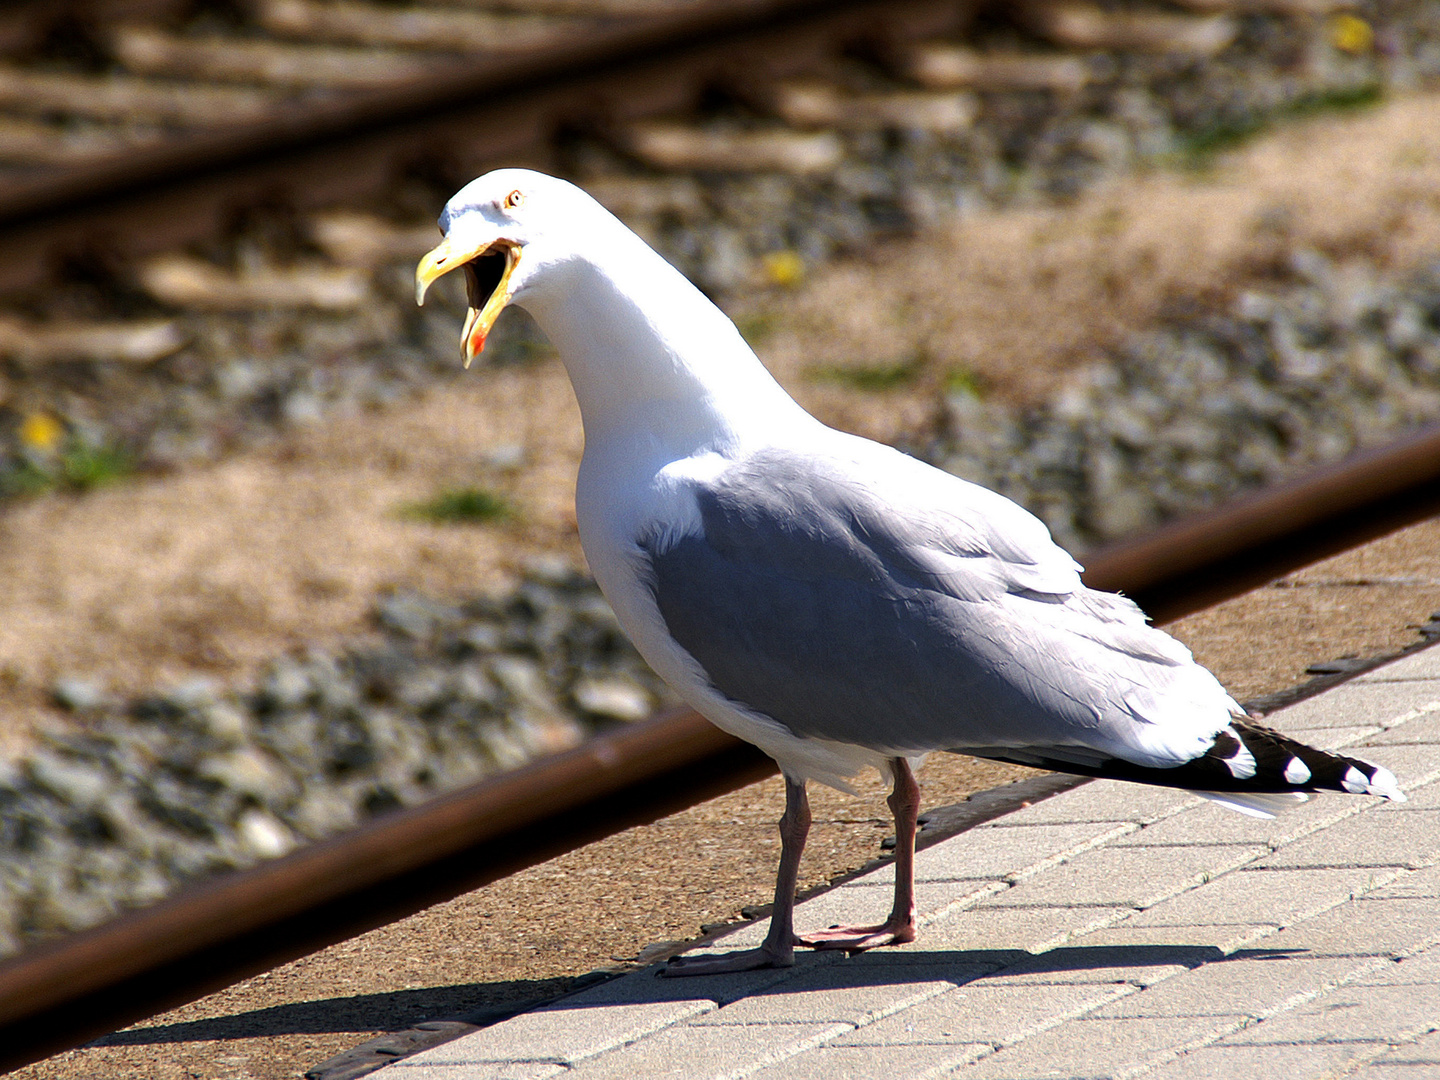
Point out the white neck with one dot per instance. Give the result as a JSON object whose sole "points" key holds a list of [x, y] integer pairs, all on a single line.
{"points": [[651, 359]]}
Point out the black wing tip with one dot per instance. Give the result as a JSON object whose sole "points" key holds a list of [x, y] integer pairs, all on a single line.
{"points": [[1245, 757]]}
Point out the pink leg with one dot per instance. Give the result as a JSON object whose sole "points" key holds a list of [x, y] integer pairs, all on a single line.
{"points": [[904, 803], [778, 949]]}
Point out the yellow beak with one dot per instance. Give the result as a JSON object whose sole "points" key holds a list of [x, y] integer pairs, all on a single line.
{"points": [[484, 308]]}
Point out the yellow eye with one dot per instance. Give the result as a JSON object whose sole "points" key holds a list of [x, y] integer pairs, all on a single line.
{"points": [[514, 199]]}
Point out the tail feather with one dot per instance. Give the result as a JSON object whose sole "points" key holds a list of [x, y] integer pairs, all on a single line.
{"points": [[1249, 767], [1259, 804], [1267, 760]]}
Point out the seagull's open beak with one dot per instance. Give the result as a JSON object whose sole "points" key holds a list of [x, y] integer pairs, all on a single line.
{"points": [[487, 284]]}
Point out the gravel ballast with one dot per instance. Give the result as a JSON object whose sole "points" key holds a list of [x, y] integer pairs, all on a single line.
{"points": [[136, 797], [1326, 359]]}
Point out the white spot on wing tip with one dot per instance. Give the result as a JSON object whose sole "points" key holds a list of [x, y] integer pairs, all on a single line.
{"points": [[1296, 772], [1241, 763], [1384, 784], [1354, 781]]}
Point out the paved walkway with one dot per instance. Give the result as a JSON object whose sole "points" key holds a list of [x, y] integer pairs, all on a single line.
{"points": [[1111, 931]]}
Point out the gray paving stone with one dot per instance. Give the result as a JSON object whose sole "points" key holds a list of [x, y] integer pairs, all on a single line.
{"points": [[958, 961], [1087, 1048], [993, 853], [1423, 1051], [1085, 962], [561, 1035], [1424, 728], [1364, 927], [1105, 800], [1336, 738], [408, 1069], [645, 985], [1222, 939], [1282, 897], [1310, 1062], [1251, 983], [988, 928], [1410, 885], [1366, 839], [1399, 1070], [979, 1013], [1134, 877], [858, 903], [687, 1052], [1419, 796], [1418, 967], [1357, 703], [845, 993], [1424, 664], [1352, 1014], [908, 1062], [1211, 824]]}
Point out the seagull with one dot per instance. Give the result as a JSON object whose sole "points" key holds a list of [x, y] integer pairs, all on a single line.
{"points": [[830, 599]]}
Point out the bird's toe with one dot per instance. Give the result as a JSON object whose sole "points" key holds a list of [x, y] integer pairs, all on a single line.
{"points": [[860, 938]]}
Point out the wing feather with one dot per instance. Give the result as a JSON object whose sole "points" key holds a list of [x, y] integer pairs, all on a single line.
{"points": [[905, 620]]}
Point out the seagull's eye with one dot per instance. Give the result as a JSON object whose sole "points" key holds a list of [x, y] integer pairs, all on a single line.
{"points": [[514, 199]]}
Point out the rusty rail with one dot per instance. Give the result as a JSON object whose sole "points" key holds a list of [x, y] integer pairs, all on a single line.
{"points": [[1199, 561], [484, 112], [62, 994]]}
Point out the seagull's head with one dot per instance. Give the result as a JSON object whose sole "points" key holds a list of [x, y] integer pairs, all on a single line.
{"points": [[502, 230]]}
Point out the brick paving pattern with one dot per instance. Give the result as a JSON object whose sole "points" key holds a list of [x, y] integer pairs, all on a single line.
{"points": [[1112, 931]]}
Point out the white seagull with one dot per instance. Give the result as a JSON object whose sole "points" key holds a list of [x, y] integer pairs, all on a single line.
{"points": [[829, 599]]}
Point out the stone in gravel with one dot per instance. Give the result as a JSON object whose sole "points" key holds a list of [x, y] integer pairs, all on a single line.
{"points": [[251, 772], [73, 782], [265, 836], [78, 694], [481, 637], [412, 615], [285, 685], [505, 750], [524, 681], [613, 699], [322, 812], [472, 685]]}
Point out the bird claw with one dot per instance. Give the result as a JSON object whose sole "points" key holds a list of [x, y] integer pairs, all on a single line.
{"points": [[746, 960], [860, 938]]}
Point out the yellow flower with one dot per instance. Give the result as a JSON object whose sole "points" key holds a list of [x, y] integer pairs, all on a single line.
{"points": [[1351, 34], [784, 268], [41, 431]]}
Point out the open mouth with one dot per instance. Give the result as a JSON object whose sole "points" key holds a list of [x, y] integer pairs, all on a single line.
{"points": [[487, 286], [483, 275]]}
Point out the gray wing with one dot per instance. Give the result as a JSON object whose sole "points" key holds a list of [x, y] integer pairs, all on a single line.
{"points": [[808, 597]]}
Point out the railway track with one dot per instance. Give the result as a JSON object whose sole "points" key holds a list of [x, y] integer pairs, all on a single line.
{"points": [[60, 995], [169, 168], [172, 173], [326, 101]]}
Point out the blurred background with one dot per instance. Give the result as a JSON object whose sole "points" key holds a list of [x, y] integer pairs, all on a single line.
{"points": [[274, 563]]}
